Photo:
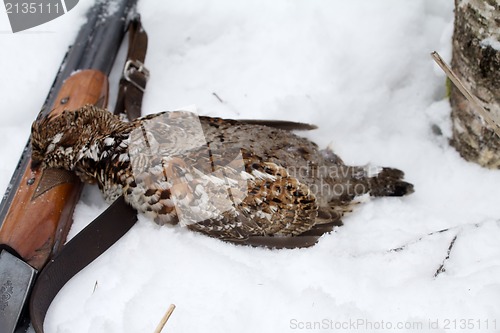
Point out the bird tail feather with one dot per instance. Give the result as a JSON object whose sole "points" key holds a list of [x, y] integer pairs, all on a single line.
{"points": [[389, 182]]}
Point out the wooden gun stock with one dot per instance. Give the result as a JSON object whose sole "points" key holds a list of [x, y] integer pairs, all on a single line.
{"points": [[40, 214]]}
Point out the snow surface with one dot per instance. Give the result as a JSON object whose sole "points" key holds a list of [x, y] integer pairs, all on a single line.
{"points": [[361, 70], [491, 42]]}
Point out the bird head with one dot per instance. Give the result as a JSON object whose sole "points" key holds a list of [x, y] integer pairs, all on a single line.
{"points": [[63, 140], [53, 140]]}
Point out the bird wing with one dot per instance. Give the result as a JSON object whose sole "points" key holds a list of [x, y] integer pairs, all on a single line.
{"points": [[280, 124], [274, 205]]}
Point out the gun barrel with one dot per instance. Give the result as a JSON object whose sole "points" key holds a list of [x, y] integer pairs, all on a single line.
{"points": [[107, 39], [96, 44]]}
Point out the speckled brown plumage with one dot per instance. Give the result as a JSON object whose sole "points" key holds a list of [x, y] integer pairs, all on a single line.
{"points": [[230, 179]]}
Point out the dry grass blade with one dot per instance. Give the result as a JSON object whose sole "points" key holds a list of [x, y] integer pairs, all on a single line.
{"points": [[494, 123], [165, 318]]}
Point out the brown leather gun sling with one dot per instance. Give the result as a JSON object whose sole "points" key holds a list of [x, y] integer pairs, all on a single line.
{"points": [[113, 223]]}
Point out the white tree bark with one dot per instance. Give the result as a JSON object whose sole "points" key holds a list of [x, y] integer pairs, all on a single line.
{"points": [[476, 60]]}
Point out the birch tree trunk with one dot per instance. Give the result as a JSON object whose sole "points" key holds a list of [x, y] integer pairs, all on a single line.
{"points": [[476, 60]]}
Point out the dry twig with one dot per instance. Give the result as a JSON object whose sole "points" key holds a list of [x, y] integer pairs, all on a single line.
{"points": [[488, 117], [165, 318], [441, 268], [218, 97]]}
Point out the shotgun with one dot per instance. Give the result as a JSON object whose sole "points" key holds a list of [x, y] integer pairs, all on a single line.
{"points": [[37, 208]]}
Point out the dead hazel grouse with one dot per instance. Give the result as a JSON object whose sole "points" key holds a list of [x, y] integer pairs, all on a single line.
{"points": [[250, 182]]}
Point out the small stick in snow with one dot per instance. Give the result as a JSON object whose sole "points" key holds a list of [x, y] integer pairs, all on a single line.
{"points": [[403, 247], [494, 123], [441, 268], [218, 98], [165, 318]]}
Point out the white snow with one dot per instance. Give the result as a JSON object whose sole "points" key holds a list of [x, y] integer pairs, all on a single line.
{"points": [[491, 42], [361, 70]]}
